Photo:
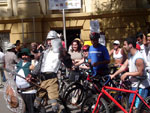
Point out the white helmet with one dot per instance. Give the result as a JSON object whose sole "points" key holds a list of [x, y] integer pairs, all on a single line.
{"points": [[52, 35]]}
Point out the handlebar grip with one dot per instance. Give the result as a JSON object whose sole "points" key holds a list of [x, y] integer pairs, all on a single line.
{"points": [[108, 79]]}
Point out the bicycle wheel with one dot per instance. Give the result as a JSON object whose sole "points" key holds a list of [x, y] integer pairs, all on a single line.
{"points": [[90, 102], [74, 98], [62, 87], [69, 87], [143, 108], [122, 98]]}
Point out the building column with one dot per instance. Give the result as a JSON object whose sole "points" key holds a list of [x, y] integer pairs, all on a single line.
{"points": [[9, 7], [15, 7], [43, 6]]}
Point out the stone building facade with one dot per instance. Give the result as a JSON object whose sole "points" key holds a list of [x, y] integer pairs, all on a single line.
{"points": [[30, 20]]}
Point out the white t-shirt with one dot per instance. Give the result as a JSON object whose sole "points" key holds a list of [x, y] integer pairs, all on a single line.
{"points": [[2, 57], [146, 54], [22, 83]]}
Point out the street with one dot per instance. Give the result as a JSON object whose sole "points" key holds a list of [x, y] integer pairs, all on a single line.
{"points": [[3, 108]]}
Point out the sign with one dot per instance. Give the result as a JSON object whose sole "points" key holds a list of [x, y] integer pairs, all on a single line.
{"points": [[94, 26], [64, 4], [102, 39], [3, 0]]}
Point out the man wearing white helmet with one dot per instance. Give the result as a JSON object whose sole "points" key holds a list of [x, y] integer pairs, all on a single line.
{"points": [[49, 67]]}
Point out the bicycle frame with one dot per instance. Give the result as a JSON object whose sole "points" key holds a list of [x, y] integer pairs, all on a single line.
{"points": [[104, 92]]}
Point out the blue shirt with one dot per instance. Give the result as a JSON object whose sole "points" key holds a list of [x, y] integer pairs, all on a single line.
{"points": [[98, 54]]}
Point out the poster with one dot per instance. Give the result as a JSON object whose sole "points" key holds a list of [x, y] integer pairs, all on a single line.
{"points": [[94, 26]]}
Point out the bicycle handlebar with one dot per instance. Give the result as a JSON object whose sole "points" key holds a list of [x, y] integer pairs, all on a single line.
{"points": [[108, 80], [106, 77]]}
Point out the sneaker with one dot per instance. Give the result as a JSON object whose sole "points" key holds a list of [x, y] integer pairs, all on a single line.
{"points": [[93, 106], [1, 85], [56, 108]]}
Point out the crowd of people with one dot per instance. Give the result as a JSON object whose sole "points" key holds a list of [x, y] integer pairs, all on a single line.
{"points": [[47, 59]]}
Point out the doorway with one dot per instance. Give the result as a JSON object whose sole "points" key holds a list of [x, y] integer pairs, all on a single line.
{"points": [[71, 34]]}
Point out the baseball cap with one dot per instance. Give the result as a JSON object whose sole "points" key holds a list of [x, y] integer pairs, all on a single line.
{"points": [[148, 35], [117, 42], [85, 47]]}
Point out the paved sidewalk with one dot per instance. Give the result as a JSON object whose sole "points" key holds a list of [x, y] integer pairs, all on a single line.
{"points": [[3, 107]]}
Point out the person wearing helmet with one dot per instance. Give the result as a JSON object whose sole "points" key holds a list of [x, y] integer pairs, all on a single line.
{"points": [[98, 56], [50, 64], [83, 63]]}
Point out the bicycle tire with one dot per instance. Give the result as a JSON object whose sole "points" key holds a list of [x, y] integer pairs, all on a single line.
{"points": [[122, 99], [89, 104], [74, 98], [69, 87], [142, 108], [62, 87]]}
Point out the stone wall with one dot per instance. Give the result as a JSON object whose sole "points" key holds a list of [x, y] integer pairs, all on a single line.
{"points": [[30, 20]]}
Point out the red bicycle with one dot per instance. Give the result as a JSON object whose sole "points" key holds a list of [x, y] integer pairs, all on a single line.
{"points": [[102, 107]]}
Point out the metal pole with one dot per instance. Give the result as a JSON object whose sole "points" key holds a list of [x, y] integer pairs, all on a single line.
{"points": [[64, 29], [34, 27], [64, 33], [22, 30]]}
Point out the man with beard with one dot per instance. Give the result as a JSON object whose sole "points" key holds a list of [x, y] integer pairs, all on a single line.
{"points": [[50, 63], [24, 88], [136, 65], [98, 56]]}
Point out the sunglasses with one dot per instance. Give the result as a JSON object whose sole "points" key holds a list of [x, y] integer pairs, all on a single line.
{"points": [[85, 50], [115, 44]]}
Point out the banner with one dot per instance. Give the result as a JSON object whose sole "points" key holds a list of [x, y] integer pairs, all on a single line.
{"points": [[64, 4]]}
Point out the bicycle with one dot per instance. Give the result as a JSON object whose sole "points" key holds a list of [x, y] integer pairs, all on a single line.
{"points": [[122, 98], [63, 81], [80, 77], [144, 106], [74, 92], [78, 93]]}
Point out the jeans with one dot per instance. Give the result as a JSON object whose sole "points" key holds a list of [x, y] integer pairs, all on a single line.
{"points": [[142, 92]]}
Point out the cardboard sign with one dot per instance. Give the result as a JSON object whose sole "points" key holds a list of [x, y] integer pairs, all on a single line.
{"points": [[94, 26]]}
